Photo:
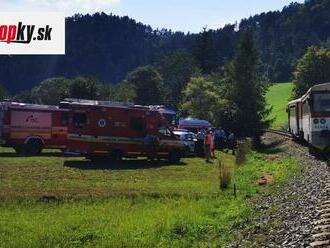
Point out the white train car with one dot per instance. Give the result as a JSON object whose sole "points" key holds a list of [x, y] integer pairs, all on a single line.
{"points": [[309, 117]]}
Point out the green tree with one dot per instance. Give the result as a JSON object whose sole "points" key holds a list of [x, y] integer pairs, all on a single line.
{"points": [[176, 69], [3, 92], [125, 92], [202, 100], [204, 51], [86, 88], [248, 88], [51, 91], [148, 85], [312, 69], [106, 92], [24, 96]]}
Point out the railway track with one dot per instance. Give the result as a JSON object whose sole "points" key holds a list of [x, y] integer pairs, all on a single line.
{"points": [[279, 132], [321, 232]]}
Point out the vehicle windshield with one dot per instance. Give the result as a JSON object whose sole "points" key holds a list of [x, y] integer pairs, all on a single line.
{"points": [[165, 131], [170, 118], [321, 103]]}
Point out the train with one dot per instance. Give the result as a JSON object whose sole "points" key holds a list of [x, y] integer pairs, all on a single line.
{"points": [[309, 117]]}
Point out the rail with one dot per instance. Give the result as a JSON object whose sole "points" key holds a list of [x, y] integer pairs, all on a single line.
{"points": [[279, 132]]}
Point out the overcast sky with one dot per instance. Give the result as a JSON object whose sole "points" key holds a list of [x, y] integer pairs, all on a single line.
{"points": [[182, 15]]}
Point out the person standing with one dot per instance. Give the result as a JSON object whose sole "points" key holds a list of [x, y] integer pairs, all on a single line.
{"points": [[200, 142], [223, 138], [231, 141], [148, 145], [212, 147], [207, 146], [154, 147], [217, 138]]}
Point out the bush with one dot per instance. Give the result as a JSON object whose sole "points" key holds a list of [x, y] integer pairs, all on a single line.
{"points": [[243, 148], [224, 175]]}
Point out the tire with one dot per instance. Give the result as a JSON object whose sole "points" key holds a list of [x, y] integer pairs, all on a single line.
{"points": [[174, 156], [187, 151], [33, 147], [19, 149]]}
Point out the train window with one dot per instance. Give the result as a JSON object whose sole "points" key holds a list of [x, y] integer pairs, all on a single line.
{"points": [[321, 103], [79, 120], [137, 124], [64, 119]]}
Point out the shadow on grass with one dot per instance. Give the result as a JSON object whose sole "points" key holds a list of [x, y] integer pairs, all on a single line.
{"points": [[44, 154], [271, 148], [121, 165]]}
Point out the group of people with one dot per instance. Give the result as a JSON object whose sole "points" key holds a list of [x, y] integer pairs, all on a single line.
{"points": [[208, 140], [213, 139]]}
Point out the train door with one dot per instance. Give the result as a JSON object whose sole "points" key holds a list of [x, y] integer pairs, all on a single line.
{"points": [[306, 120], [300, 119], [297, 117]]}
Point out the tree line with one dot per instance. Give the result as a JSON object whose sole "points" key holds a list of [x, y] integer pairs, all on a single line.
{"points": [[108, 46], [185, 81], [198, 82], [227, 96]]}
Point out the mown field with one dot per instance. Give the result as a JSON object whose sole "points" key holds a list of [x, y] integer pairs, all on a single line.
{"points": [[56, 201], [278, 97]]}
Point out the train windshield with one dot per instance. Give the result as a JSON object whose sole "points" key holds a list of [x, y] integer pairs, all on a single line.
{"points": [[321, 103]]}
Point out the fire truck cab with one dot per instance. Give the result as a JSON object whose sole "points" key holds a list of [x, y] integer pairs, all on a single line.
{"points": [[29, 128], [117, 130]]}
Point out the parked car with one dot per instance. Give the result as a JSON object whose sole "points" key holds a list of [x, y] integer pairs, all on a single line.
{"points": [[194, 125], [188, 138]]}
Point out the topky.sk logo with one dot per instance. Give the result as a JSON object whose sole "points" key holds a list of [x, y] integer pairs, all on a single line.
{"points": [[32, 33], [21, 33]]}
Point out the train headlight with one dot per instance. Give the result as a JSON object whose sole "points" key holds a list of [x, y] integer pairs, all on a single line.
{"points": [[323, 121], [316, 121]]}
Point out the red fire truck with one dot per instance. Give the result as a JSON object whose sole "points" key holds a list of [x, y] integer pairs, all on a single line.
{"points": [[29, 128], [102, 129]]}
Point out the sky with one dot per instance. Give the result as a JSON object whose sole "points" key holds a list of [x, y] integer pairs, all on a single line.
{"points": [[178, 15]]}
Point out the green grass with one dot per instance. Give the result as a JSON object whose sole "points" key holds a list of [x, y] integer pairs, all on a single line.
{"points": [[278, 97], [53, 201]]}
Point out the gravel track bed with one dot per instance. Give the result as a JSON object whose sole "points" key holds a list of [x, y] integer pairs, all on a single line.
{"points": [[287, 218]]}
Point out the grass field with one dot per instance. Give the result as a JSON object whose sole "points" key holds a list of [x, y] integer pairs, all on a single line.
{"points": [[278, 97], [55, 201]]}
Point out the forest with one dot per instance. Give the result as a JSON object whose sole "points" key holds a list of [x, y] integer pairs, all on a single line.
{"points": [[120, 45]]}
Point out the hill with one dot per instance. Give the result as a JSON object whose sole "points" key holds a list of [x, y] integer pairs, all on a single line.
{"points": [[109, 46], [101, 45], [278, 97]]}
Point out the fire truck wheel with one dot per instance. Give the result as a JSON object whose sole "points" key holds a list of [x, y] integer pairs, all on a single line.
{"points": [[116, 155], [33, 147], [174, 156], [19, 149]]}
